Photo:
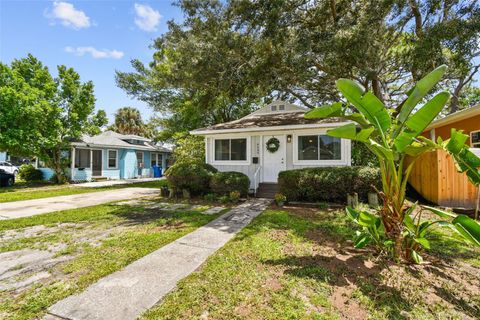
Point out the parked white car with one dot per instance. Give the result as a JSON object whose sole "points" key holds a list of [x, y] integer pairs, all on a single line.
{"points": [[8, 167]]}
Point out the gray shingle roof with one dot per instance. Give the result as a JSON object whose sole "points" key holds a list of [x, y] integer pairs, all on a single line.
{"points": [[256, 121], [114, 139]]}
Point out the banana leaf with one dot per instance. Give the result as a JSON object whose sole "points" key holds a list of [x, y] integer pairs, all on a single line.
{"points": [[468, 228], [349, 131], [420, 90], [368, 104], [417, 123]]}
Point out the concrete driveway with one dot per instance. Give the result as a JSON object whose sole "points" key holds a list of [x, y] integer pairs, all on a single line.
{"points": [[20, 209]]}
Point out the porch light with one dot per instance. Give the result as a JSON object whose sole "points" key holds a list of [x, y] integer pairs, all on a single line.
{"points": [[289, 138]]}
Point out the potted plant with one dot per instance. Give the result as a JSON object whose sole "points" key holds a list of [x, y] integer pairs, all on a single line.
{"points": [[280, 199]]}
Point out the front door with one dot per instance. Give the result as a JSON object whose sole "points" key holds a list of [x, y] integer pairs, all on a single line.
{"points": [[273, 162], [96, 163]]}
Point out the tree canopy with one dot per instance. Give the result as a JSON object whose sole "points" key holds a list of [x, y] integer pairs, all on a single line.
{"points": [[40, 114], [226, 57]]}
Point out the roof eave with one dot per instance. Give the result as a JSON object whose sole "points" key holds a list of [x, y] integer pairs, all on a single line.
{"points": [[458, 116], [271, 128], [94, 145]]}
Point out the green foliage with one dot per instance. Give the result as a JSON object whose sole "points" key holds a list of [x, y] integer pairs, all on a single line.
{"points": [[40, 114], [191, 176], [128, 120], [362, 156], [391, 136], [227, 55], [189, 148], [224, 183], [28, 172], [234, 196], [372, 230], [280, 198], [328, 183]]}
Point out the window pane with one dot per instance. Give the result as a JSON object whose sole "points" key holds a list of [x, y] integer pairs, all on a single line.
{"points": [[475, 137], [160, 160], [140, 157], [308, 148], [222, 149], [82, 158], [112, 159], [153, 159], [330, 148], [238, 149]]}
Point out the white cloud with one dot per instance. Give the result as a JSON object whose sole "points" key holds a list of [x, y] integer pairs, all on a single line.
{"points": [[68, 16], [147, 18], [95, 53]]}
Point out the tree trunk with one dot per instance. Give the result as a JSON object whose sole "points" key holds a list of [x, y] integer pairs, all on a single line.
{"points": [[454, 101], [377, 88]]}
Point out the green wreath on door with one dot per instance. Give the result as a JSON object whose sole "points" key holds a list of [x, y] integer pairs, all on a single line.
{"points": [[273, 144]]}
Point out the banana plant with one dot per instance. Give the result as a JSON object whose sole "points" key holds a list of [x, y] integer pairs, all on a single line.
{"points": [[392, 136]]}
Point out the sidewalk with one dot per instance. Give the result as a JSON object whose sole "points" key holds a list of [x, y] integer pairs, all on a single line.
{"points": [[127, 293], [110, 183], [20, 209]]}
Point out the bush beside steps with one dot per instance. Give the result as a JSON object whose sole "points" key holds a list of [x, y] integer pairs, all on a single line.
{"points": [[193, 178], [328, 184]]}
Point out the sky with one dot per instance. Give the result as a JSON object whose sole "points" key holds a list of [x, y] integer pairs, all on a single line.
{"points": [[95, 37]]}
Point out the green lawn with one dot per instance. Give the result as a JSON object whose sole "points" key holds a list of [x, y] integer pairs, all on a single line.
{"points": [[94, 242], [37, 191], [298, 263]]}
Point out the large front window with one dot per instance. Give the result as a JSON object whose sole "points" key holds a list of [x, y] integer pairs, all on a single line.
{"points": [[319, 147], [231, 149], [82, 158]]}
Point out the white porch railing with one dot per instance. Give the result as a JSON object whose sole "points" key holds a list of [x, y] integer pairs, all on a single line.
{"points": [[256, 180]]}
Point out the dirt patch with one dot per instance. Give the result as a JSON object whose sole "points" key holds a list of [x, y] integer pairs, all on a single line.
{"points": [[361, 280], [347, 306]]}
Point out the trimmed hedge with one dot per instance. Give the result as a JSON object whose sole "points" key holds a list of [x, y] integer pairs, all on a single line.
{"points": [[28, 172], [226, 182], [330, 184], [191, 176]]}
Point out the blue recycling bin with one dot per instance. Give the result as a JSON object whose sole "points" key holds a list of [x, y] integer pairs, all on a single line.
{"points": [[157, 171]]}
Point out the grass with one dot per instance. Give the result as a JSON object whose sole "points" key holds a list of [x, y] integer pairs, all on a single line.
{"points": [[298, 263], [38, 191], [129, 233]]}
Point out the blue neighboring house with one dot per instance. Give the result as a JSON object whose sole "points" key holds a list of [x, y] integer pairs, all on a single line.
{"points": [[111, 155]]}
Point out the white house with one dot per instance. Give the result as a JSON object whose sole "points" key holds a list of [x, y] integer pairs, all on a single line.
{"points": [[274, 138]]}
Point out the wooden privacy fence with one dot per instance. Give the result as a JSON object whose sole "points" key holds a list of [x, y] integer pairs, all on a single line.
{"points": [[435, 177]]}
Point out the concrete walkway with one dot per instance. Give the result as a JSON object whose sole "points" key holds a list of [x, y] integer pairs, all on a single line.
{"points": [[110, 183], [20, 209], [127, 293]]}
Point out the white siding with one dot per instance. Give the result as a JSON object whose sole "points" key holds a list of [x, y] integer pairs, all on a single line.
{"points": [[256, 150]]}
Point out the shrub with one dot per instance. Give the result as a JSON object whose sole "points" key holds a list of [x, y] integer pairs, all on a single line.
{"points": [[191, 176], [234, 196], [225, 182], [28, 172], [280, 198], [210, 197], [328, 184]]}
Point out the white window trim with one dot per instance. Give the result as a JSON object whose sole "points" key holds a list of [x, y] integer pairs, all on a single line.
{"points": [[471, 141], [231, 162], [143, 158], [344, 152], [84, 168], [108, 159], [153, 156]]}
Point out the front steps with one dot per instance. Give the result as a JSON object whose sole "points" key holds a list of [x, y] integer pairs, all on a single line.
{"points": [[267, 190]]}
